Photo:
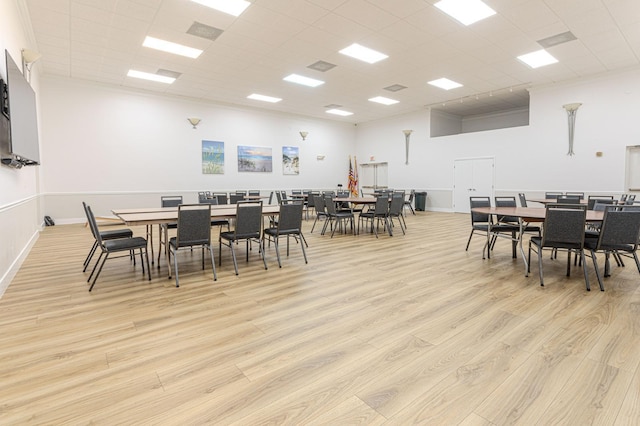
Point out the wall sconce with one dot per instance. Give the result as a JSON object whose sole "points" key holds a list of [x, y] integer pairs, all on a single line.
{"points": [[304, 135], [407, 136], [29, 57], [194, 121], [572, 109]]}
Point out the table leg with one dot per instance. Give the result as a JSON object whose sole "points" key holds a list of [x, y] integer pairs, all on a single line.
{"points": [[524, 256]]}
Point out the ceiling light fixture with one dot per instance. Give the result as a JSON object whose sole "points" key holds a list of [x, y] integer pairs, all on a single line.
{"points": [[445, 83], [151, 77], [170, 47], [231, 7], [465, 11], [363, 53], [339, 112], [305, 81], [538, 59], [264, 98], [383, 100]]}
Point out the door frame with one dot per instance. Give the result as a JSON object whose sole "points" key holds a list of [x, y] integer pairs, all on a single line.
{"points": [[456, 189]]}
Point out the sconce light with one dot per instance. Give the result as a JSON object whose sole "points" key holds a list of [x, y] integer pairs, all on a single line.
{"points": [[407, 135], [572, 109], [304, 135], [29, 57], [194, 121]]}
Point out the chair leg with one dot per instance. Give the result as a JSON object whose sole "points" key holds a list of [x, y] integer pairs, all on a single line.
{"points": [[175, 263], [146, 255], [597, 269], [99, 270], [90, 255], [540, 266], [586, 273], [277, 246], [213, 263], [233, 255]]}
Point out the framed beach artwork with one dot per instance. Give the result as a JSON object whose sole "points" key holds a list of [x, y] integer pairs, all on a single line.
{"points": [[212, 157], [255, 159], [290, 160]]}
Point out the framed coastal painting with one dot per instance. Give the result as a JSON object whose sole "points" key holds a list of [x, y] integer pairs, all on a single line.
{"points": [[212, 157], [255, 159], [290, 160]]}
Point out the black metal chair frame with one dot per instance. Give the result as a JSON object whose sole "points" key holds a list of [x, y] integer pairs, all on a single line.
{"points": [[339, 217], [167, 201], [289, 224], [248, 227], [111, 234], [114, 246], [380, 212]]}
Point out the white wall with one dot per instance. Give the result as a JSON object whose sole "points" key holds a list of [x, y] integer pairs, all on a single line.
{"points": [[531, 158], [118, 148], [20, 215]]}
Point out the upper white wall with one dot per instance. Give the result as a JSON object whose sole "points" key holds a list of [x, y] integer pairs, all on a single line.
{"points": [[529, 158], [106, 139]]}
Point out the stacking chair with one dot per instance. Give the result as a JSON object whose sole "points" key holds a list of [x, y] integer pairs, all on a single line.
{"points": [[523, 199], [508, 201], [234, 198], [409, 202], [591, 200], [216, 222], [248, 227], [379, 213], [111, 234], [108, 247], [580, 195], [563, 229], [194, 229], [619, 234], [480, 222], [631, 198], [568, 199], [167, 201], [339, 217], [289, 224], [202, 197], [395, 210], [552, 195], [254, 193], [318, 202], [222, 198]]}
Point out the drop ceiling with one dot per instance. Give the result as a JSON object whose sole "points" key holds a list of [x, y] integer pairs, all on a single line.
{"points": [[100, 40]]}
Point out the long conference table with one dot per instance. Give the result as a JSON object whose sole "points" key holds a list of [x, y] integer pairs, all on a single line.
{"points": [[525, 216], [149, 216]]}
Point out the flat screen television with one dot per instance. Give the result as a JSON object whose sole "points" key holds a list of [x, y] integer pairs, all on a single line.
{"points": [[23, 148]]}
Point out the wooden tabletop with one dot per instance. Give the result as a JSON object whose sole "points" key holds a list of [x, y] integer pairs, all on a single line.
{"points": [[150, 216], [356, 200], [531, 212], [546, 201]]}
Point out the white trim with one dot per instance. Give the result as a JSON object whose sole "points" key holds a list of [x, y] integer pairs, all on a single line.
{"points": [[17, 264]]}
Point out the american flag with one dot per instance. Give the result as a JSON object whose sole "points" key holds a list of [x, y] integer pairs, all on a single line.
{"points": [[353, 178]]}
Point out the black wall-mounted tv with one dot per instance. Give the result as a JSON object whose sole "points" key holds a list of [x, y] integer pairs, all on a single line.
{"points": [[23, 148]]}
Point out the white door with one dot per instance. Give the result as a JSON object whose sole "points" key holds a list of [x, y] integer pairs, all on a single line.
{"points": [[473, 177]]}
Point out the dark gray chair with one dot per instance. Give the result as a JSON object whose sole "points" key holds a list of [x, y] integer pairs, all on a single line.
{"points": [[194, 229], [409, 201], [167, 201], [289, 224], [568, 199], [216, 222], [552, 195], [111, 234], [563, 229], [604, 199], [580, 195], [509, 201], [336, 218], [234, 198], [523, 199], [248, 227], [395, 210], [115, 246], [222, 198], [379, 213], [619, 234], [318, 205]]}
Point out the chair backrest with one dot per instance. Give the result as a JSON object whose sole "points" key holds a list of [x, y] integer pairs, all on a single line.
{"points": [[631, 198], [506, 201], [170, 200], [382, 205], [211, 201], [412, 194], [318, 201], [342, 194], [623, 197], [396, 205], [296, 191], [222, 198], [234, 198], [523, 199], [479, 202], [201, 196], [248, 219], [620, 226], [580, 195], [241, 192], [311, 198], [564, 225], [194, 225], [552, 195], [283, 194], [591, 200], [254, 193], [290, 218], [329, 204], [568, 199], [93, 224]]}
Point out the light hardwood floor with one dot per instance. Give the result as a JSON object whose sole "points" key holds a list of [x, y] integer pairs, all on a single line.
{"points": [[394, 331]]}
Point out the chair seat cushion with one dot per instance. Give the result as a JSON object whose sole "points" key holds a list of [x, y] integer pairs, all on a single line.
{"points": [[122, 244]]}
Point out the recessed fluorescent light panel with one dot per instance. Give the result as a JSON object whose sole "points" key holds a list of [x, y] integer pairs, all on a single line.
{"points": [[167, 46], [538, 59], [383, 100], [231, 7], [465, 11], [363, 53], [339, 112], [305, 81], [445, 83], [257, 97], [151, 77]]}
